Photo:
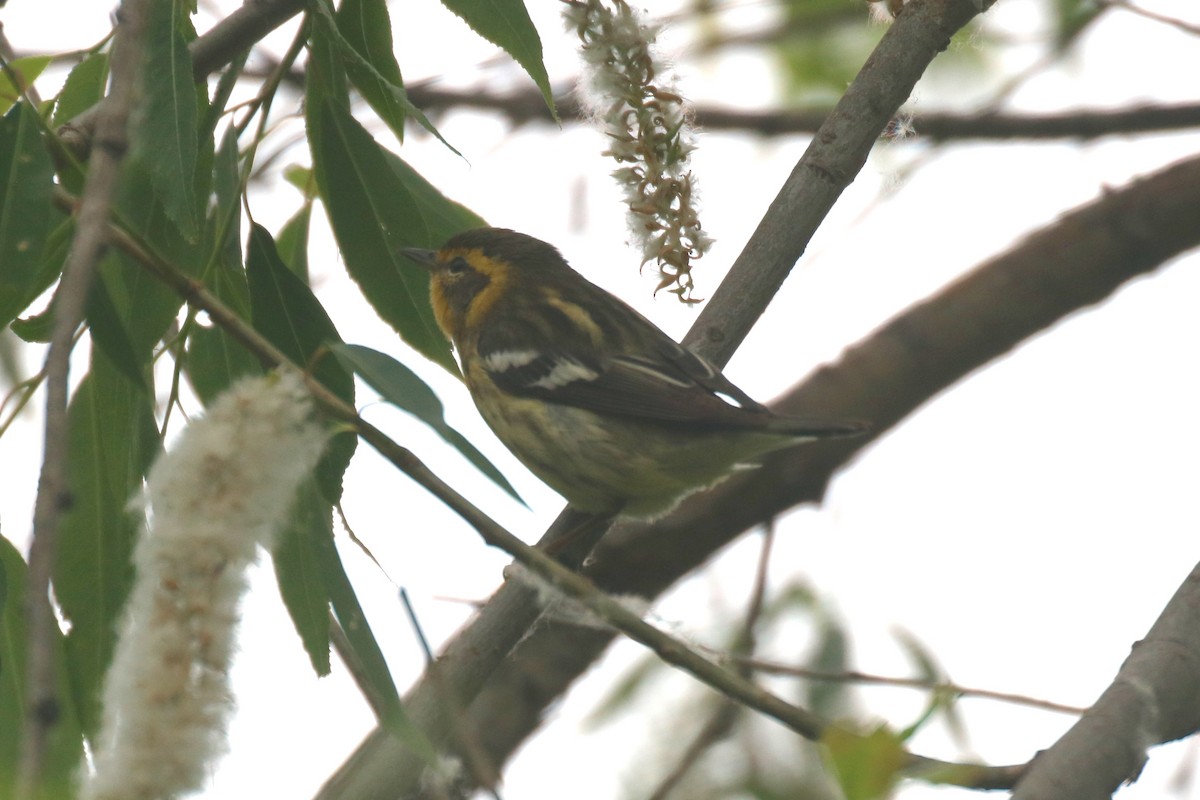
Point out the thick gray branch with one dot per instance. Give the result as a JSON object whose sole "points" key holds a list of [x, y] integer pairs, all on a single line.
{"points": [[1155, 698]]}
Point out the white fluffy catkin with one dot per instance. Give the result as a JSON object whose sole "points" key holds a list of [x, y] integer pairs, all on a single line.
{"points": [[631, 91], [222, 490]]}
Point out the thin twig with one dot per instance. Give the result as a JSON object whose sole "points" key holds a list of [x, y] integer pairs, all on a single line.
{"points": [[854, 676], [54, 492], [1186, 27], [523, 107], [721, 718]]}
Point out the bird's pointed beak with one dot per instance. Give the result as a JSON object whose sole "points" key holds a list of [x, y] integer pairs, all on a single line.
{"points": [[424, 258]]}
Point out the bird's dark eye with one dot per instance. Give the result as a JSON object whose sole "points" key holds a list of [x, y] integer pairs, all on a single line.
{"points": [[457, 266]]}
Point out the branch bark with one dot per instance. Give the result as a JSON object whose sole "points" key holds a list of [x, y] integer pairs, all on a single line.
{"points": [[527, 106], [1076, 262]]}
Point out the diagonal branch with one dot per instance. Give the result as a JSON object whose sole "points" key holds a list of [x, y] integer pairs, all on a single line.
{"points": [[1155, 698]]}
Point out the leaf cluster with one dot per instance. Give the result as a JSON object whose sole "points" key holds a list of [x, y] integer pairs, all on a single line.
{"points": [[182, 199]]}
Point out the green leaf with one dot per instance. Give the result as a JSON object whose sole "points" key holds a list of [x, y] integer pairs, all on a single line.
{"points": [[289, 315], [435, 217], [147, 305], [27, 70], [866, 767], [941, 700], [298, 571], [111, 442], [302, 178], [166, 140], [37, 329], [110, 336], [506, 24], [401, 387], [26, 177], [831, 653], [371, 662], [225, 217], [390, 93], [83, 88], [367, 28], [215, 359], [64, 752], [1071, 18], [325, 77], [293, 241], [374, 210]]}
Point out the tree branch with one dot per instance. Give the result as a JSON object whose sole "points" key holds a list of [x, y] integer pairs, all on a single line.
{"points": [[832, 160], [526, 106], [1155, 698], [218, 46], [235, 34], [54, 491]]}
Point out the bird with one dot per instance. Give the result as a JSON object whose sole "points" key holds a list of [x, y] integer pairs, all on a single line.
{"points": [[597, 401]]}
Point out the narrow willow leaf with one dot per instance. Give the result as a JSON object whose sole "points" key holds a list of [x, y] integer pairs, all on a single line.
{"points": [[401, 387], [225, 217], [26, 175], [64, 746], [147, 305], [293, 241], [298, 572], [506, 24], [167, 141], [375, 211], [111, 442], [104, 321], [435, 217], [367, 28], [289, 315], [378, 83], [214, 358], [370, 658]]}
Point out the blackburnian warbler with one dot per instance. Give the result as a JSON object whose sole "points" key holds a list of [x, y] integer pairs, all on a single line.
{"points": [[593, 398]]}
